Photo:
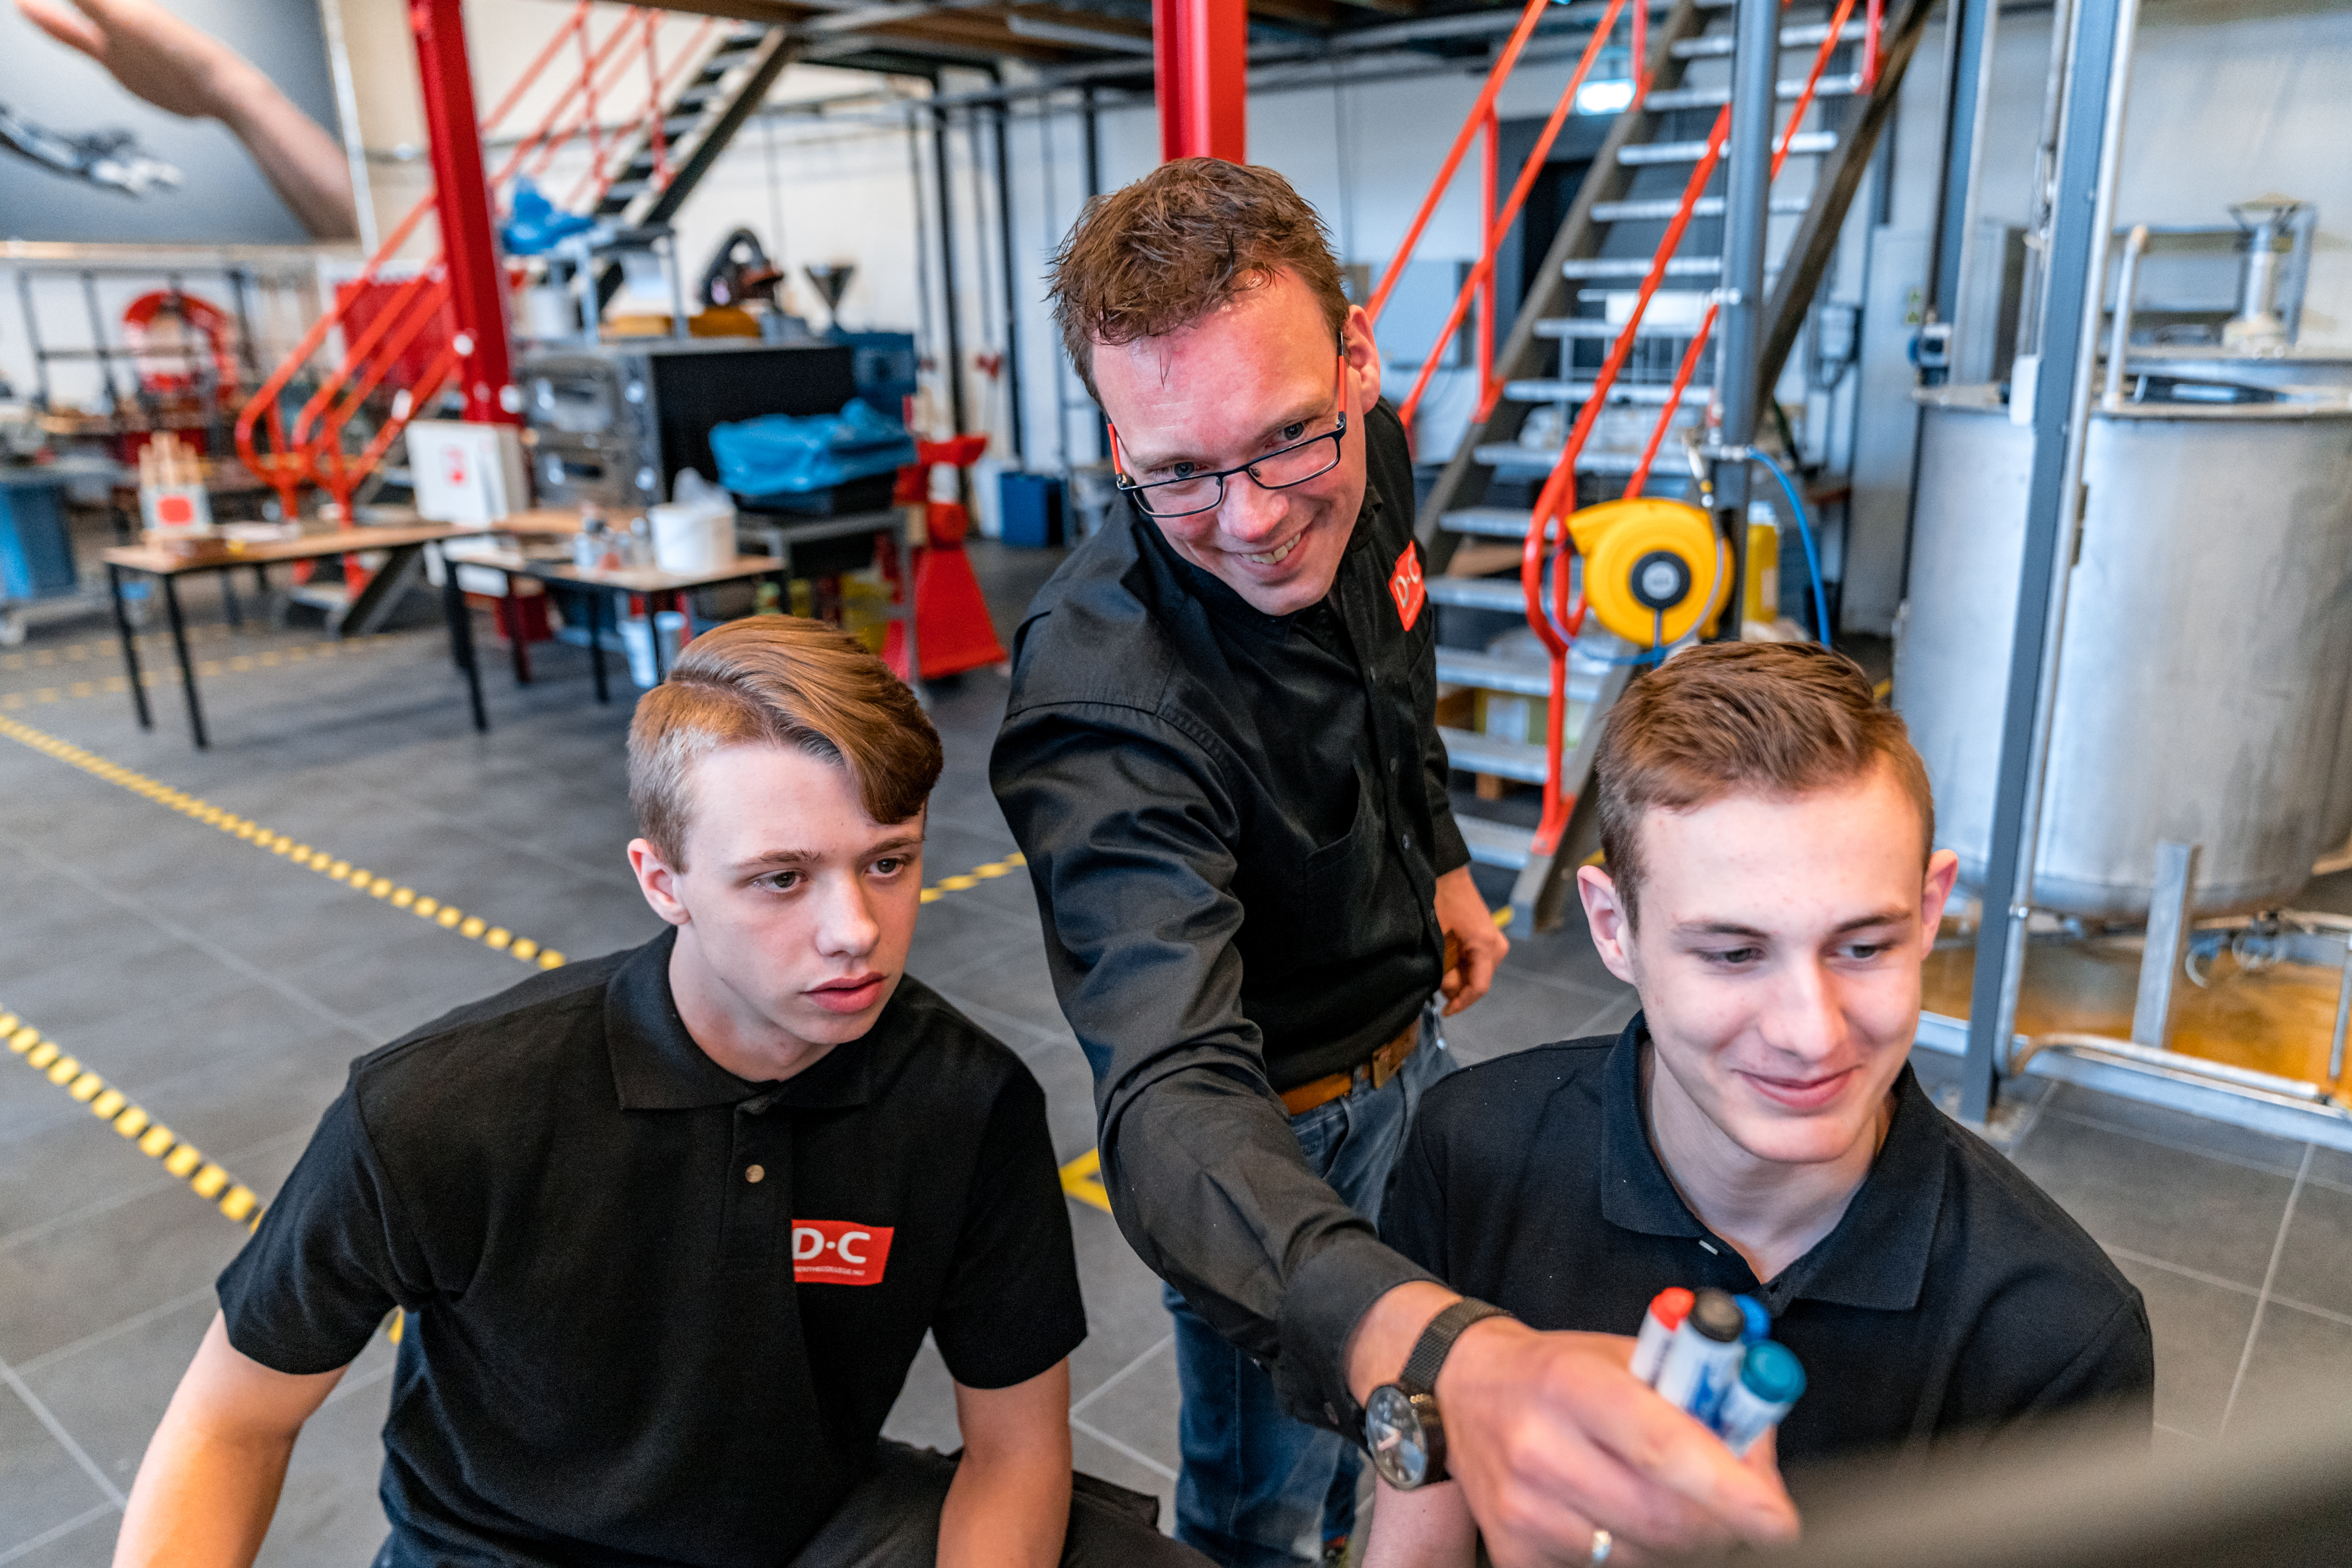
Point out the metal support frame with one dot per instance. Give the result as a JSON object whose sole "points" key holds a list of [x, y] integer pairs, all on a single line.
{"points": [[950, 315], [1968, 70], [478, 287], [1747, 199], [1201, 69], [2168, 941], [2101, 59]]}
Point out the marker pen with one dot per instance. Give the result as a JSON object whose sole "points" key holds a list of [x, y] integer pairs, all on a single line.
{"points": [[1667, 1310], [1759, 1321], [1770, 1381], [1702, 1358]]}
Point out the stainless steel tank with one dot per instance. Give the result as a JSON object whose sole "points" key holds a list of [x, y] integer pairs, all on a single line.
{"points": [[2205, 680]]}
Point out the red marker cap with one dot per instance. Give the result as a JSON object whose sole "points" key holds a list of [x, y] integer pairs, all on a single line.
{"points": [[1671, 1307]]}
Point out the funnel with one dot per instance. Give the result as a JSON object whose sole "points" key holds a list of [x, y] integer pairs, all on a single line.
{"points": [[831, 281]]}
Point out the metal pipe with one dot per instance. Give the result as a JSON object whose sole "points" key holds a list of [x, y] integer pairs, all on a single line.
{"points": [[1012, 290], [948, 272], [1746, 201], [2342, 1020], [2088, 151], [2119, 336], [1972, 30], [2173, 1061]]}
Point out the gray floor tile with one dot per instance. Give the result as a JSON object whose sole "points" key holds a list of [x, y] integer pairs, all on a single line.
{"points": [[1095, 1456], [2200, 1333], [88, 1544], [2316, 1262], [41, 1485], [2299, 1370], [110, 1394], [1517, 1013], [2163, 1125], [1125, 1316], [925, 1412], [1139, 1412], [2202, 1213], [328, 1515]]}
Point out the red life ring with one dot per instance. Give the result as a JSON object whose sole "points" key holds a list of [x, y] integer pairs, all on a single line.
{"points": [[169, 371]]}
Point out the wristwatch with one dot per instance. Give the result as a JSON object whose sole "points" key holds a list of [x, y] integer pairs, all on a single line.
{"points": [[1402, 1430]]}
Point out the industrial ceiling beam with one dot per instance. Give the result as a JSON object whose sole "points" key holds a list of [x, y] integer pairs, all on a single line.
{"points": [[478, 286]]}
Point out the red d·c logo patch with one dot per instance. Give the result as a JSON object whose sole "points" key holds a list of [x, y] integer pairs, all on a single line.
{"points": [[839, 1252], [1406, 588]]}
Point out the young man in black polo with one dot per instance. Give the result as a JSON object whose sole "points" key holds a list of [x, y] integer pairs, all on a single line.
{"points": [[1771, 892], [667, 1228]]}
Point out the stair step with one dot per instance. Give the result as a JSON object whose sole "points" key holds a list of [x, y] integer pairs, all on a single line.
{"points": [[1475, 754], [1810, 34], [678, 125], [740, 43], [1540, 389], [1479, 593], [1496, 843], [1492, 522], [1595, 329], [1717, 97], [1663, 209], [626, 189], [1509, 457], [1804, 144], [1639, 267]]}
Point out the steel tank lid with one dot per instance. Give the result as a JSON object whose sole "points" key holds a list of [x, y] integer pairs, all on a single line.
{"points": [[2292, 404]]}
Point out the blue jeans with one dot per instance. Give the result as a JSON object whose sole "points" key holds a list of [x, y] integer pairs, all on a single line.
{"points": [[1258, 1489]]}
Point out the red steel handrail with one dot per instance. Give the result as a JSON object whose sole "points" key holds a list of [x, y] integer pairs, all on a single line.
{"points": [[1706, 324], [1482, 272], [312, 452], [1495, 76]]}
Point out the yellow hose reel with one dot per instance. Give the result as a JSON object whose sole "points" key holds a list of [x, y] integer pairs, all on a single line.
{"points": [[1652, 569]]}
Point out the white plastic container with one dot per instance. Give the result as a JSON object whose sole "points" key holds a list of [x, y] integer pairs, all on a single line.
{"points": [[691, 539], [637, 639]]}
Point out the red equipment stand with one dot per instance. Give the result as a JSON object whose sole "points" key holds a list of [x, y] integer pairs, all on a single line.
{"points": [[951, 622]]}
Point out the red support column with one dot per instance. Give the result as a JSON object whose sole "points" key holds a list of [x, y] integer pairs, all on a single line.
{"points": [[477, 281], [1200, 60]]}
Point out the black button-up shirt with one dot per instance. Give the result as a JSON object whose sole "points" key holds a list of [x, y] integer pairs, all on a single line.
{"points": [[1953, 1298], [1234, 822], [658, 1313]]}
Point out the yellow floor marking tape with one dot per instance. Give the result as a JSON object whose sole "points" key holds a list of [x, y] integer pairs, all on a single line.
{"points": [[1082, 1179], [105, 648], [971, 879], [448, 917], [157, 1141], [161, 673]]}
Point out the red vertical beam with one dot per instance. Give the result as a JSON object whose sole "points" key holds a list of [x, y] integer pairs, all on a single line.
{"points": [[1492, 171], [476, 282], [1200, 62]]}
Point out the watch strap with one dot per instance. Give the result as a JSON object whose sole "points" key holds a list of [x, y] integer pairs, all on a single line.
{"points": [[1429, 1352]]}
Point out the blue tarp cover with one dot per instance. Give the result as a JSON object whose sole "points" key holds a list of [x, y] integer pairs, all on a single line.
{"points": [[783, 454]]}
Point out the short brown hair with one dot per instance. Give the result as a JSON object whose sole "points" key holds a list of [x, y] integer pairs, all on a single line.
{"points": [[1771, 718], [1157, 255], [781, 681]]}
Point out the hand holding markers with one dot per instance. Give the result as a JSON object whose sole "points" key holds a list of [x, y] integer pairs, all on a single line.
{"points": [[1706, 1354]]}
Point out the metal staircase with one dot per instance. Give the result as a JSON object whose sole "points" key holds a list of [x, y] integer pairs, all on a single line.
{"points": [[1591, 356]]}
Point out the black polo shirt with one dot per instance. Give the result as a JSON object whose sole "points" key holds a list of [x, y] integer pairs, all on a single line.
{"points": [[659, 1314], [1953, 1297]]}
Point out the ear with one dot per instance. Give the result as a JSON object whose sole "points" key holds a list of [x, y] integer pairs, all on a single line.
{"points": [[658, 881], [1612, 931], [1363, 361], [1943, 870]]}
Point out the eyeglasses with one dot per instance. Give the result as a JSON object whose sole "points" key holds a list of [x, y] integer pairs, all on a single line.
{"points": [[1192, 494]]}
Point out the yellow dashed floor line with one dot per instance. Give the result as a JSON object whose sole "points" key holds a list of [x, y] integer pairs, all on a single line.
{"points": [[971, 879], [164, 672], [108, 647], [184, 1160], [473, 928], [1082, 1179]]}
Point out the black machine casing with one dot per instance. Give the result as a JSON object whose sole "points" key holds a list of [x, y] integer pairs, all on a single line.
{"points": [[613, 424]]}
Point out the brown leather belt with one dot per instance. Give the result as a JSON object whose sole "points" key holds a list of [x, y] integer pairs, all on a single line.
{"points": [[1376, 1071]]}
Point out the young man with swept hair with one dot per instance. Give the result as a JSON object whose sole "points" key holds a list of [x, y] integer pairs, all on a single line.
{"points": [[1770, 889], [1221, 758], [667, 1228]]}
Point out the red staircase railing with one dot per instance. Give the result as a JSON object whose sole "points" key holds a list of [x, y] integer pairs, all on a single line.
{"points": [[1558, 622], [398, 334]]}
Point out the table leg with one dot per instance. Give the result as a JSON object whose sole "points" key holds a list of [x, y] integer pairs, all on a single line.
{"points": [[512, 613], [906, 614], [461, 640], [187, 670], [653, 629], [595, 597], [228, 600], [129, 647]]}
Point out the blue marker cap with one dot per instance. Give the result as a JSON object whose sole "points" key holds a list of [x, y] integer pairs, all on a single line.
{"points": [[1759, 1321], [1770, 1373]]}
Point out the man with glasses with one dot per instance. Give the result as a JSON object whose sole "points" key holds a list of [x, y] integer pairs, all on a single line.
{"points": [[1221, 759]]}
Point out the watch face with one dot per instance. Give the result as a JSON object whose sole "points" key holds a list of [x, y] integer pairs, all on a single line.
{"points": [[1393, 1431]]}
